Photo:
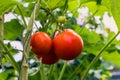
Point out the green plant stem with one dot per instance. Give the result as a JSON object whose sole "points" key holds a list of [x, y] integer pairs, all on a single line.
{"points": [[26, 46], [50, 72], [4, 48], [42, 72], [62, 71], [65, 7], [77, 69], [97, 57], [22, 16], [1, 31], [10, 57], [47, 11]]}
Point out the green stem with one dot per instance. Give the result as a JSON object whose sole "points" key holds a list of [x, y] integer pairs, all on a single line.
{"points": [[42, 72], [65, 7], [97, 57], [1, 32], [77, 69], [48, 11], [4, 48], [26, 46], [62, 71], [50, 73], [10, 57], [22, 16]]}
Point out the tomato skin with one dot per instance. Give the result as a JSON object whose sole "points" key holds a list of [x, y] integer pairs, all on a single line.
{"points": [[68, 45], [61, 19], [41, 43], [49, 58]]}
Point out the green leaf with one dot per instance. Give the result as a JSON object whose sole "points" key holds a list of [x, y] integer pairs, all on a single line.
{"points": [[34, 75], [113, 57], [85, 1], [6, 5], [29, 0], [13, 29], [26, 11], [114, 7], [92, 40], [52, 4], [111, 48], [73, 4], [95, 8], [3, 76]]}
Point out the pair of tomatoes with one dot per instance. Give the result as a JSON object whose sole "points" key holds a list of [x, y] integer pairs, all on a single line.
{"points": [[66, 45]]}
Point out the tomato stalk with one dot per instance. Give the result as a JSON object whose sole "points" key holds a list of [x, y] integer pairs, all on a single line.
{"points": [[1, 32], [50, 71], [65, 7], [4, 48], [97, 57], [10, 57], [62, 71], [26, 46], [22, 16], [42, 71], [47, 11], [77, 69]]}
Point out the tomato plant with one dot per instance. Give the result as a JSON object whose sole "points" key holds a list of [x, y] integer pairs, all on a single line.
{"points": [[55, 30]]}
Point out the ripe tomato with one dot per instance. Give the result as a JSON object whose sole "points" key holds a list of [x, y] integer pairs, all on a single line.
{"points": [[68, 45], [49, 58], [41, 43]]}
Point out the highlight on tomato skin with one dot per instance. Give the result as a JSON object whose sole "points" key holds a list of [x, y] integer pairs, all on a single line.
{"points": [[68, 45], [41, 43]]}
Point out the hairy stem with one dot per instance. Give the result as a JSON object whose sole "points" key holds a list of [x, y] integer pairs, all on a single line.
{"points": [[26, 46], [97, 57]]}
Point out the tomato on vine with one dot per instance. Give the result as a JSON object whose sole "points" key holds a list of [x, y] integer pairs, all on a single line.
{"points": [[61, 19], [49, 58], [41, 43], [68, 45]]}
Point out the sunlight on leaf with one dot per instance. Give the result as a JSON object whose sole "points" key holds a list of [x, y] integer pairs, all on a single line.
{"points": [[6, 5]]}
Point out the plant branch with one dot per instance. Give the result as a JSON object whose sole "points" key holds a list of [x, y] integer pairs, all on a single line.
{"points": [[97, 57], [47, 10], [65, 6], [10, 57], [26, 45], [22, 16], [62, 71], [1, 31], [3, 48]]}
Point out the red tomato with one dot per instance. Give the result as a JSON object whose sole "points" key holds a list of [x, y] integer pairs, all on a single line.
{"points": [[41, 43], [68, 45], [49, 58]]}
